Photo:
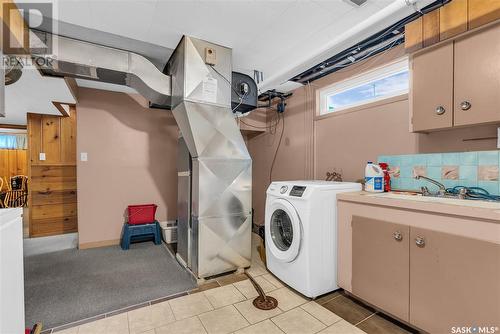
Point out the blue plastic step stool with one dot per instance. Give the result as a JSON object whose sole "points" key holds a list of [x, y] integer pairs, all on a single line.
{"points": [[140, 232]]}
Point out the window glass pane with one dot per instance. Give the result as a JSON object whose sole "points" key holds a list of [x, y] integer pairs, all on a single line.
{"points": [[390, 85], [8, 142]]}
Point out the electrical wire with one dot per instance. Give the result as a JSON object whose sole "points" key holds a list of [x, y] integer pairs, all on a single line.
{"points": [[273, 126], [226, 80], [275, 121], [241, 97], [368, 55], [381, 35], [370, 61], [241, 101], [309, 105], [277, 148], [278, 119]]}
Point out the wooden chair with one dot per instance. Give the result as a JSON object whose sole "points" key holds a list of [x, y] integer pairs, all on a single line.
{"points": [[18, 182], [2, 195], [17, 194]]}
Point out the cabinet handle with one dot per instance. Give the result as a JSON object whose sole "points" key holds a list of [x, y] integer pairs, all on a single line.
{"points": [[397, 236], [420, 242], [440, 110], [465, 105]]}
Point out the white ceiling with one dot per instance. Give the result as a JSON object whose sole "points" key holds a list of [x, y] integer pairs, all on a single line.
{"points": [[280, 38], [34, 93]]}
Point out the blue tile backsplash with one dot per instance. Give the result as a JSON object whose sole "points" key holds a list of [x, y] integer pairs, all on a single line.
{"points": [[471, 169]]}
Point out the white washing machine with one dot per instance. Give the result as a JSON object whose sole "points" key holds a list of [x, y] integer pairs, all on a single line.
{"points": [[301, 233]]}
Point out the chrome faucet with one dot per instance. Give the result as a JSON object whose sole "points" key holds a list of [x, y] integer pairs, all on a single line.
{"points": [[425, 190]]}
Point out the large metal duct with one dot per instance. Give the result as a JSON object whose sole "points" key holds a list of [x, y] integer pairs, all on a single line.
{"points": [[79, 59], [199, 95], [219, 234]]}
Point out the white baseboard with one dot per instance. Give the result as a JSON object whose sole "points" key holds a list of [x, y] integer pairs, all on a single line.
{"points": [[34, 246]]}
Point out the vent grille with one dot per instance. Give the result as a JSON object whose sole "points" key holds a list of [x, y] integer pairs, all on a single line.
{"points": [[77, 70], [357, 2]]}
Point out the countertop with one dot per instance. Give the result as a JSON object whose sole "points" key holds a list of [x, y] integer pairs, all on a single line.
{"points": [[463, 208]]}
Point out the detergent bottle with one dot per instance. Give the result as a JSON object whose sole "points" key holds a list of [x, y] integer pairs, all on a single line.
{"points": [[374, 178]]}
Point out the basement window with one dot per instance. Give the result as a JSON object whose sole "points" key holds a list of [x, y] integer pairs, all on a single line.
{"points": [[375, 85]]}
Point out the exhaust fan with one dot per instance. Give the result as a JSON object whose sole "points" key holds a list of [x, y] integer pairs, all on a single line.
{"points": [[244, 93]]}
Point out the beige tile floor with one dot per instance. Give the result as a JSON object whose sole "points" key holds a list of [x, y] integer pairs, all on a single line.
{"points": [[224, 305], [225, 309]]}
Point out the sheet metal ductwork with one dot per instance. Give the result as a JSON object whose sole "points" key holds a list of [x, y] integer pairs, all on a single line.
{"points": [[78, 59], [219, 232], [218, 228]]}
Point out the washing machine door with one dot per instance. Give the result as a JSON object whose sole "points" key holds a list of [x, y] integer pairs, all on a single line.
{"points": [[283, 231]]}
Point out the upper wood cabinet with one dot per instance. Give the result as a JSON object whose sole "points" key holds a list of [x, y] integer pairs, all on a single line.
{"points": [[457, 83], [430, 28], [414, 35], [450, 20], [477, 78], [453, 19], [481, 12]]}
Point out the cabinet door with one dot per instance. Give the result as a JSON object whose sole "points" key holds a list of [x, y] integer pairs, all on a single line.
{"points": [[380, 268], [431, 93], [454, 281], [430, 28], [477, 78], [452, 19], [482, 12], [413, 35]]}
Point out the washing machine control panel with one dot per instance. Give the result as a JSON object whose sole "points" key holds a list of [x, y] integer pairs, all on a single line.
{"points": [[297, 191]]}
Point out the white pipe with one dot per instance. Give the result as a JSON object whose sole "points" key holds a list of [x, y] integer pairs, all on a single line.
{"points": [[380, 20]]}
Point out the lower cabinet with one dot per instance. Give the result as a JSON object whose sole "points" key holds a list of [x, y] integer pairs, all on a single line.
{"points": [[454, 281], [380, 268], [432, 280]]}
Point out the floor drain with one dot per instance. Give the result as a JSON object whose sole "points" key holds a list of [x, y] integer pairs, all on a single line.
{"points": [[262, 302], [265, 303]]}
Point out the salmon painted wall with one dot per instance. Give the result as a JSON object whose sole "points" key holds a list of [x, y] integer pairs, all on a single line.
{"points": [[131, 160], [313, 145]]}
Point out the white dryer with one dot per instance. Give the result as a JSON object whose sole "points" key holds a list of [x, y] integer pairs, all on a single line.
{"points": [[301, 233]]}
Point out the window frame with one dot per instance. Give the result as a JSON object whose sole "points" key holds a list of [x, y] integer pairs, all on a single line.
{"points": [[383, 71]]}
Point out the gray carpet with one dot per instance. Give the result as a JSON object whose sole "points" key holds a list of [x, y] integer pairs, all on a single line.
{"points": [[70, 285]]}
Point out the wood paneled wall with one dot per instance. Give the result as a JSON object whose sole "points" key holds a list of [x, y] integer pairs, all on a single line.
{"points": [[52, 196], [53, 135], [12, 162]]}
